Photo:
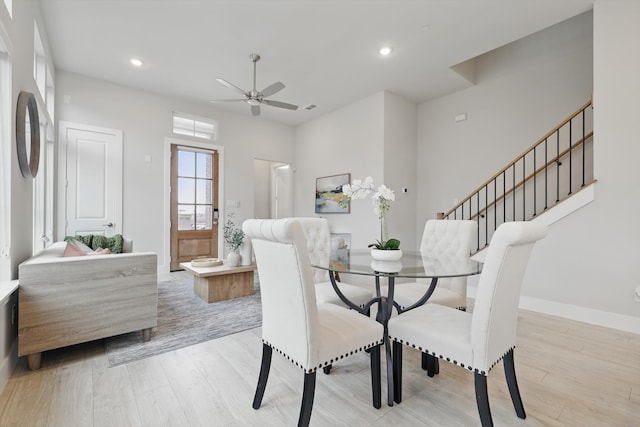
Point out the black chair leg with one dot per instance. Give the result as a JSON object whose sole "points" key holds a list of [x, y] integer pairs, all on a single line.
{"points": [[431, 364], [482, 400], [512, 382], [397, 371], [308, 392], [376, 382], [264, 376]]}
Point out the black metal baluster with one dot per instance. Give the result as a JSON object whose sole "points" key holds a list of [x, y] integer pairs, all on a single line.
{"points": [[546, 183], [495, 203], [570, 155], [513, 193], [583, 144], [504, 196], [535, 179], [523, 190], [558, 163]]}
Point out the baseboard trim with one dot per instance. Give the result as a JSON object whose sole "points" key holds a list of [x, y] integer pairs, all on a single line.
{"points": [[582, 314], [591, 316]]}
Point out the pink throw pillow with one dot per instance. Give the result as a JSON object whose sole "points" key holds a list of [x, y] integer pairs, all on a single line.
{"points": [[72, 250]]}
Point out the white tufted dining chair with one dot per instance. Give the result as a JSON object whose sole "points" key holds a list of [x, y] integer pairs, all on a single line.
{"points": [[476, 341], [316, 230], [309, 334], [447, 239]]}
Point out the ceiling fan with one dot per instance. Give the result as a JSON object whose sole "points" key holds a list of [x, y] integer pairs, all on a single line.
{"points": [[254, 97]]}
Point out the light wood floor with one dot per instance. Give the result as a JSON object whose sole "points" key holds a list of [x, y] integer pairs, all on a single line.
{"points": [[570, 374]]}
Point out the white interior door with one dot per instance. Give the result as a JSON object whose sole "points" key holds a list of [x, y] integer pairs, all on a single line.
{"points": [[282, 192], [91, 179]]}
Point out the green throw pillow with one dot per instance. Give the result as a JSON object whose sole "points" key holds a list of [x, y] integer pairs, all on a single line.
{"points": [[115, 243], [85, 238]]}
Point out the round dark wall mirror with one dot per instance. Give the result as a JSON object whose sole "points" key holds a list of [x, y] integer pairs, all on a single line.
{"points": [[28, 134]]}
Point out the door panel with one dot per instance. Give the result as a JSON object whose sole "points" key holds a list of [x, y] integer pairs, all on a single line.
{"points": [[194, 204], [93, 160]]}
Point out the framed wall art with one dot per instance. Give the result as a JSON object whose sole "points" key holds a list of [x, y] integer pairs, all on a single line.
{"points": [[329, 193]]}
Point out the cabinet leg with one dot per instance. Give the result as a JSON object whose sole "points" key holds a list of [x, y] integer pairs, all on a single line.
{"points": [[146, 334], [34, 361]]}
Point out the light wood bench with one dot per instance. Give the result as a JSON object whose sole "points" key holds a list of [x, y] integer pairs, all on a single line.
{"points": [[221, 283]]}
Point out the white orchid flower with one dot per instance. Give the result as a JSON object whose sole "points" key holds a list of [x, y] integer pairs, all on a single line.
{"points": [[386, 193]]}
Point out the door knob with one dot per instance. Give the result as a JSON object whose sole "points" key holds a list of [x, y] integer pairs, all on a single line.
{"points": [[110, 224]]}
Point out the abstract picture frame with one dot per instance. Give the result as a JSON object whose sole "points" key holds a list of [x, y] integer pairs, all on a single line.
{"points": [[329, 193]]}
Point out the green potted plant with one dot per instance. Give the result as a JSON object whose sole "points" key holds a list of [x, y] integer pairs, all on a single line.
{"points": [[233, 237]]}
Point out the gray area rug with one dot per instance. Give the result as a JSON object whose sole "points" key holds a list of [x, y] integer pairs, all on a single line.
{"points": [[183, 320]]}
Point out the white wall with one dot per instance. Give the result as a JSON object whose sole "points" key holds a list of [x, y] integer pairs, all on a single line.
{"points": [[20, 32], [375, 137], [522, 91], [400, 127], [146, 120], [585, 268], [348, 140]]}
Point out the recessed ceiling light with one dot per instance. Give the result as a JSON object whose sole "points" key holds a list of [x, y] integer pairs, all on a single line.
{"points": [[384, 50], [136, 62]]}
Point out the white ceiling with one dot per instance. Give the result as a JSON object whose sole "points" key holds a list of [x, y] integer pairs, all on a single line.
{"points": [[324, 51]]}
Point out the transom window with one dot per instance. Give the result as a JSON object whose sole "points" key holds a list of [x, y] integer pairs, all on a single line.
{"points": [[39, 62], [198, 127]]}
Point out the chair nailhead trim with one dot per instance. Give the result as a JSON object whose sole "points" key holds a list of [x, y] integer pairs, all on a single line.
{"points": [[455, 362], [322, 364]]}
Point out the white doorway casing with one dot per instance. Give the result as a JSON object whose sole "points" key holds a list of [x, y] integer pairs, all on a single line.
{"points": [[89, 180]]}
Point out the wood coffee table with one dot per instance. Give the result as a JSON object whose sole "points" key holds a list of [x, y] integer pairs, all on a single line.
{"points": [[221, 283]]}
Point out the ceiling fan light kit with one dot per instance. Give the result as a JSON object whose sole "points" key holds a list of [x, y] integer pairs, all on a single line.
{"points": [[254, 97]]}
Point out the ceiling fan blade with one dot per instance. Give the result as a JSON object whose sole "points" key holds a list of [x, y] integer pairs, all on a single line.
{"points": [[225, 83], [279, 104], [255, 110], [274, 88], [227, 100]]}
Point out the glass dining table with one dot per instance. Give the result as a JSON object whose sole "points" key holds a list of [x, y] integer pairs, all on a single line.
{"points": [[411, 266]]}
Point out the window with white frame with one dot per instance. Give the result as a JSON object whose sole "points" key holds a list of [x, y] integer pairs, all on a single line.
{"points": [[50, 95], [9, 6], [43, 192], [5, 158], [198, 127], [39, 62]]}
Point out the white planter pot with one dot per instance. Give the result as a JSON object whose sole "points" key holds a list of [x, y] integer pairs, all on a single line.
{"points": [[382, 255], [233, 259]]}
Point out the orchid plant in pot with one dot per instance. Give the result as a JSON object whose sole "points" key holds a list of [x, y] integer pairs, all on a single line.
{"points": [[381, 198]]}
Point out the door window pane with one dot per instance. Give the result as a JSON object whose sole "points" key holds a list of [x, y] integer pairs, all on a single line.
{"points": [[203, 217], [204, 167], [186, 190], [186, 217], [203, 193], [186, 163]]}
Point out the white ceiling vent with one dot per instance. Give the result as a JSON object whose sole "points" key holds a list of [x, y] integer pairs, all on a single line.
{"points": [[310, 107]]}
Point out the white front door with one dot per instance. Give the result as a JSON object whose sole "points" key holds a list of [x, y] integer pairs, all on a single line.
{"points": [[91, 179]]}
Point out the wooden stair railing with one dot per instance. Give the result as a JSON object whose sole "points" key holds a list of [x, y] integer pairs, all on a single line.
{"points": [[525, 177]]}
